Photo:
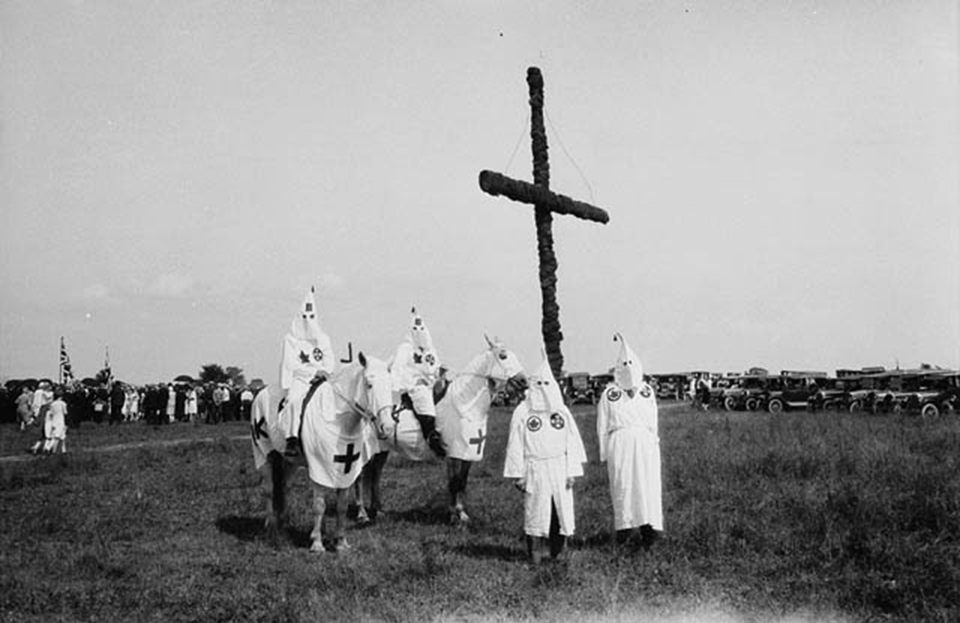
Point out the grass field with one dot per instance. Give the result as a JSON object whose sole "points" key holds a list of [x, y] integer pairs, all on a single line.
{"points": [[798, 516]]}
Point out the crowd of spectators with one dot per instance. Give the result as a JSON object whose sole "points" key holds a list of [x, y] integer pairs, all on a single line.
{"points": [[114, 403]]}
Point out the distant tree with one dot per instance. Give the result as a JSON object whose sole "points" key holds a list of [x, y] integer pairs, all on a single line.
{"points": [[213, 373], [235, 375]]}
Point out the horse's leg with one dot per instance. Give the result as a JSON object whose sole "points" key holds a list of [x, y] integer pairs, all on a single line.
{"points": [[462, 494], [457, 472], [376, 472], [276, 494], [362, 491], [319, 510], [339, 540]]}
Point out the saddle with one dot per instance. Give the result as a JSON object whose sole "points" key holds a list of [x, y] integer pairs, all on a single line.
{"points": [[439, 391]]}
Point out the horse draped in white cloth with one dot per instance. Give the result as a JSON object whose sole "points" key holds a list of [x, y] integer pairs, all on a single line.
{"points": [[338, 440], [462, 412]]}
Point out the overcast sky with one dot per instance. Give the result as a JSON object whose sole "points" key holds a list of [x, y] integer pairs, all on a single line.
{"points": [[781, 177]]}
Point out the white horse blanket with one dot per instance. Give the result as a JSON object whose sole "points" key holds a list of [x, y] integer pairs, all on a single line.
{"points": [[337, 439]]}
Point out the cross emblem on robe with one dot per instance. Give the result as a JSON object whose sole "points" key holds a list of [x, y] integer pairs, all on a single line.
{"points": [[348, 458], [478, 441], [545, 204]]}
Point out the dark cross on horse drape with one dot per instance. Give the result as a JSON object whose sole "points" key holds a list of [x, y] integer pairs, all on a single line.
{"points": [[545, 204]]}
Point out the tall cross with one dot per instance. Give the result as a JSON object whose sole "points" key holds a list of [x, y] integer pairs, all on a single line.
{"points": [[545, 204]]}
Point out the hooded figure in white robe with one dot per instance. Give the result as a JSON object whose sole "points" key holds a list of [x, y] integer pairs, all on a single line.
{"points": [[307, 359], [545, 454], [415, 369], [627, 431]]}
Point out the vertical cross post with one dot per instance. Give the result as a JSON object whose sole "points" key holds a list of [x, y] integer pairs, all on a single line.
{"points": [[545, 204]]}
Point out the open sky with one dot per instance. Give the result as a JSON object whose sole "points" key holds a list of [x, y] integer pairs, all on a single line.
{"points": [[781, 176]]}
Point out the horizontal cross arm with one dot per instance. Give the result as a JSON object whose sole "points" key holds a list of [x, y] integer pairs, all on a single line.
{"points": [[495, 184]]}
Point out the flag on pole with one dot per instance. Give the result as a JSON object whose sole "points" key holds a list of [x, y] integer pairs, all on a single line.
{"points": [[66, 370], [108, 373]]}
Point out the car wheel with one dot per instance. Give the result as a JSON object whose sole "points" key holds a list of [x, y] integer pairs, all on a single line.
{"points": [[930, 410], [856, 406], [775, 406], [729, 403], [752, 404]]}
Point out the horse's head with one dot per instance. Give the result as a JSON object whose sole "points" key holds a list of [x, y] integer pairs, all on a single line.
{"points": [[506, 367], [376, 394]]}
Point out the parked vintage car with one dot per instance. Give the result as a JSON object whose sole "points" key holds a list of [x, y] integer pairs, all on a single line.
{"points": [[577, 388], [745, 392], [894, 391], [791, 391], [931, 393], [670, 386]]}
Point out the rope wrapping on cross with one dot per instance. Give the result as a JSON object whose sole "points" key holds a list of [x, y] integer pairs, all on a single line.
{"points": [[545, 204]]}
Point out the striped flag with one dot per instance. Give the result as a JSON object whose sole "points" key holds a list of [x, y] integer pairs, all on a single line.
{"points": [[66, 370], [107, 372]]}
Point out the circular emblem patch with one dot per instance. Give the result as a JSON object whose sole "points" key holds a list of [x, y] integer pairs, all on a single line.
{"points": [[613, 394], [645, 391], [317, 354], [556, 421], [534, 423], [431, 360]]}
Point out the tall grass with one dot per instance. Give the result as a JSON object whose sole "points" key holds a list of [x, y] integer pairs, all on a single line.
{"points": [[797, 515]]}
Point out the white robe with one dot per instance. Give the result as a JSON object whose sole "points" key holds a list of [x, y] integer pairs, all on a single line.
{"points": [[627, 431], [337, 441], [545, 450], [462, 421], [302, 359]]}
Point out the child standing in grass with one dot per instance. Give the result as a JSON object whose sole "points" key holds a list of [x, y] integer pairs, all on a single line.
{"points": [[545, 454], [627, 431]]}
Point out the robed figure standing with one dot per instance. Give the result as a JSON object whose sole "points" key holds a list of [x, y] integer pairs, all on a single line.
{"points": [[628, 434], [545, 454]]}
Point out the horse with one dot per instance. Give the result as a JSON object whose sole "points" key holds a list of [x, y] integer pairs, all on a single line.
{"points": [[462, 412], [337, 438]]}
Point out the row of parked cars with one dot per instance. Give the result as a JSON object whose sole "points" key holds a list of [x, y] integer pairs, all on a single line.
{"points": [[926, 391]]}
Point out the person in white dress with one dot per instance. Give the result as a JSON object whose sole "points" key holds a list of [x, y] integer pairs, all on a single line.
{"points": [[628, 434], [545, 454]]}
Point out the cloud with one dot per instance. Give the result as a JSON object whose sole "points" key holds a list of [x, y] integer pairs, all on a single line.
{"points": [[171, 285]]}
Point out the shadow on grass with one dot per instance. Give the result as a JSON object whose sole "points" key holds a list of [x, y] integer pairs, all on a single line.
{"points": [[493, 551], [425, 515], [599, 539], [252, 529]]}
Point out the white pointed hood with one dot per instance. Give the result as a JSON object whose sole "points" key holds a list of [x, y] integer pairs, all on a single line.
{"points": [[306, 325], [306, 348], [628, 372], [419, 333], [544, 392]]}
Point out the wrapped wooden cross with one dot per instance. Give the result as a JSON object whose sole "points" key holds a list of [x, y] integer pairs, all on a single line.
{"points": [[545, 203]]}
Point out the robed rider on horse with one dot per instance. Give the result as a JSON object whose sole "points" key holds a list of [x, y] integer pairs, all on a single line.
{"points": [[415, 370], [308, 359]]}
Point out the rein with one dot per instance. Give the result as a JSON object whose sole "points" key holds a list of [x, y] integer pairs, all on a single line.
{"points": [[353, 404]]}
